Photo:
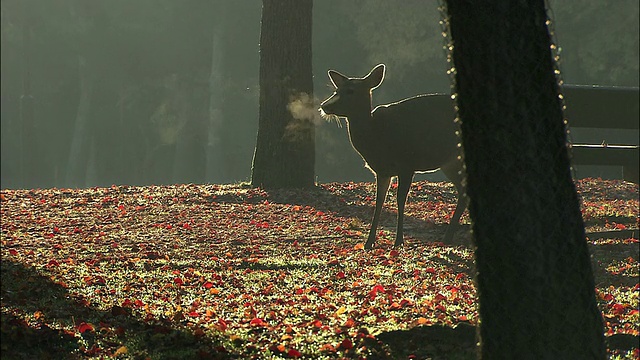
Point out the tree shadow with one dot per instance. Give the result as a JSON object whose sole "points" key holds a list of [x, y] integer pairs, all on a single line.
{"points": [[616, 255], [432, 342], [31, 301], [459, 342], [348, 202]]}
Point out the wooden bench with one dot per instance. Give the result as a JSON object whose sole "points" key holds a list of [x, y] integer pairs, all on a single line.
{"points": [[604, 107]]}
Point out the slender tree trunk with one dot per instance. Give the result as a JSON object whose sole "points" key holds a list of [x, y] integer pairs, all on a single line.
{"points": [[78, 155], [214, 150], [181, 161], [535, 284], [30, 149], [285, 149]]}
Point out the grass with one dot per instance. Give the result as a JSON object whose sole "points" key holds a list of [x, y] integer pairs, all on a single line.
{"points": [[230, 272]]}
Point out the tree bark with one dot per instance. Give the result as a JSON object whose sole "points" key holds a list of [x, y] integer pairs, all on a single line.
{"points": [[534, 277], [285, 152]]}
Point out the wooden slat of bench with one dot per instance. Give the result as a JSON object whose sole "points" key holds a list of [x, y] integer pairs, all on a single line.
{"points": [[602, 106], [621, 155]]}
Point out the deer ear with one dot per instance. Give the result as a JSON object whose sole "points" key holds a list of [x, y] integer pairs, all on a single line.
{"points": [[375, 77], [336, 78]]}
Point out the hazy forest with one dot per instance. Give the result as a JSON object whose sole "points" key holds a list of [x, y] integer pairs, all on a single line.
{"points": [[165, 92]]}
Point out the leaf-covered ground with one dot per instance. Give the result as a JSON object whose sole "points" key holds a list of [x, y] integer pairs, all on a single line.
{"points": [[227, 271]]}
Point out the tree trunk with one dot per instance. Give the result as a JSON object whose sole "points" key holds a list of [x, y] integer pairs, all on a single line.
{"points": [[78, 155], [535, 284], [30, 150], [285, 151], [214, 151]]}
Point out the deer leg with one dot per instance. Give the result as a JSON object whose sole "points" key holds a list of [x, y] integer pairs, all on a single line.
{"points": [[455, 220], [382, 186], [454, 172], [404, 184]]}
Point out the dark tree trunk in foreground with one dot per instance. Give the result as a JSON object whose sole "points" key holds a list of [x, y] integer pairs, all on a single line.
{"points": [[285, 150], [535, 284]]}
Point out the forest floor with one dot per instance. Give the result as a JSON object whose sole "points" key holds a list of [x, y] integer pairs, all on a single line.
{"points": [[231, 272]]}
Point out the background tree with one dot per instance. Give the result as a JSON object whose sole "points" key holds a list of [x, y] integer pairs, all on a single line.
{"points": [[285, 149], [535, 284], [160, 70]]}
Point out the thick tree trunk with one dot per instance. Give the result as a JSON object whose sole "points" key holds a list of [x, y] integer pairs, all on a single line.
{"points": [[285, 150], [535, 283]]}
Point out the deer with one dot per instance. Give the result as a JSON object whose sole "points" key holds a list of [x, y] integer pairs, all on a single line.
{"points": [[417, 134]]}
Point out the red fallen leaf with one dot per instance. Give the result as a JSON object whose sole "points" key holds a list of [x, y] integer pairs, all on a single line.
{"points": [[394, 253], [84, 327], [375, 290], [620, 226], [346, 344], [193, 314], [127, 303], [13, 252], [460, 276], [222, 325], [316, 323], [117, 310], [618, 309], [53, 263], [178, 281], [208, 285], [430, 270], [138, 303], [340, 275], [258, 322], [349, 323], [294, 353], [439, 297], [607, 297], [94, 350], [406, 302], [327, 348]]}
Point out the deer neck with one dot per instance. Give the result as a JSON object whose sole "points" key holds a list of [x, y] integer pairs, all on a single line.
{"points": [[361, 128]]}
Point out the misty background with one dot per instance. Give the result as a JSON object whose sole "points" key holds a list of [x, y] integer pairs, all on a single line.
{"points": [[165, 91]]}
